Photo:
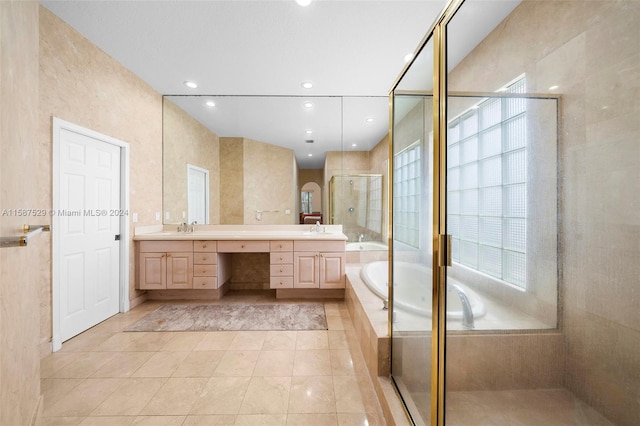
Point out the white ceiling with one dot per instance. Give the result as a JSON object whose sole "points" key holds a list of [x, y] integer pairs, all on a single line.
{"points": [[257, 54]]}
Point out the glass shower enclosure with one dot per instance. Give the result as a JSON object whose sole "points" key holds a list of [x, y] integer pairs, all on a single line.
{"points": [[355, 202], [512, 154]]}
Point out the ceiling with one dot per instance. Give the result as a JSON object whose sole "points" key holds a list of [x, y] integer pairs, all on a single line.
{"points": [[251, 58]]}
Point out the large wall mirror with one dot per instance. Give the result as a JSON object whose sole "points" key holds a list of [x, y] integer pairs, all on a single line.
{"points": [[251, 160]]}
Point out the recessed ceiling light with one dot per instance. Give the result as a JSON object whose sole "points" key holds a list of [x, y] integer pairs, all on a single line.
{"points": [[353, 145], [307, 84], [309, 155], [408, 57], [191, 84], [554, 87], [369, 119], [308, 105], [303, 3], [210, 103], [309, 132]]}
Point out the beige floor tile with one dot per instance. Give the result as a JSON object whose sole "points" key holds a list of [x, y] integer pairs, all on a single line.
{"points": [[280, 341], [61, 421], [107, 421], [312, 394], [261, 420], [312, 363], [361, 419], [216, 420], [54, 362], [342, 362], [222, 395], [130, 398], [335, 323], [267, 395], [55, 389], [158, 421], [84, 398], [237, 363], [175, 397], [306, 340], [152, 341], [85, 365], [348, 397], [337, 339], [274, 363], [184, 341], [248, 340], [216, 341], [85, 342], [118, 342], [332, 309], [123, 364], [161, 364], [199, 364], [312, 419]]}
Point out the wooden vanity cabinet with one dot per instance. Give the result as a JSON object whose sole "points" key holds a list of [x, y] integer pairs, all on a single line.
{"points": [[319, 264], [165, 265], [281, 264], [205, 265]]}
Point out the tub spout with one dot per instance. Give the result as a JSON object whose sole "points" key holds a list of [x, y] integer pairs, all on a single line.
{"points": [[467, 312]]}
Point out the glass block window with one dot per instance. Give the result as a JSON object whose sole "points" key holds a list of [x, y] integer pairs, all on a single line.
{"points": [[406, 195], [374, 216], [487, 186]]}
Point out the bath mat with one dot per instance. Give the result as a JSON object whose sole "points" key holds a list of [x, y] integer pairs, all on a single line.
{"points": [[304, 316]]}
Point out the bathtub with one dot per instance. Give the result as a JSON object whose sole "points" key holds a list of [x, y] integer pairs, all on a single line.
{"points": [[366, 246], [411, 290]]}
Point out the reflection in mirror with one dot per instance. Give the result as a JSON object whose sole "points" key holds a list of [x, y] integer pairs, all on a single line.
{"points": [[263, 152]]}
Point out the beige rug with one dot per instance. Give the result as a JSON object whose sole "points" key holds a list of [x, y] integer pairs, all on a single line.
{"points": [[304, 316]]}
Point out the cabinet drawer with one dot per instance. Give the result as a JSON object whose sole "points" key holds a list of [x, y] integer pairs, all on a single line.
{"points": [[281, 282], [281, 270], [165, 246], [278, 258], [281, 245], [205, 282], [203, 258], [205, 270], [316, 245], [205, 246], [243, 246]]}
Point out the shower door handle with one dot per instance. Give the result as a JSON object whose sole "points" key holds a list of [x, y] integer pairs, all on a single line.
{"points": [[444, 250]]}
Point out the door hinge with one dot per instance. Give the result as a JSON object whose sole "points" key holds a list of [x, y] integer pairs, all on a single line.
{"points": [[444, 250]]}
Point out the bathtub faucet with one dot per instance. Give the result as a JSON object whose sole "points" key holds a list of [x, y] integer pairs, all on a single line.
{"points": [[467, 312]]}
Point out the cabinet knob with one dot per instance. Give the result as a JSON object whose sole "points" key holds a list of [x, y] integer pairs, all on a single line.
{"points": [[280, 257], [280, 269], [242, 246]]}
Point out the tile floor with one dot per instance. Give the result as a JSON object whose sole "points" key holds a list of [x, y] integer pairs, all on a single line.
{"points": [[106, 376]]}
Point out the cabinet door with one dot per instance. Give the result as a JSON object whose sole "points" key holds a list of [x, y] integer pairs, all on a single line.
{"points": [[332, 270], [306, 273], [180, 270], [152, 271]]}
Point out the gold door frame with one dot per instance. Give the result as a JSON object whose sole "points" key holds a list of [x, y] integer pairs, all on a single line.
{"points": [[440, 244]]}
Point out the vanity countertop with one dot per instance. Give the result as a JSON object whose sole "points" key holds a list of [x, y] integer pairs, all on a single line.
{"points": [[241, 232]]}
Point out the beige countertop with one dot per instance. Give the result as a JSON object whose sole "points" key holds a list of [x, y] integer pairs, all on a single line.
{"points": [[240, 232]]}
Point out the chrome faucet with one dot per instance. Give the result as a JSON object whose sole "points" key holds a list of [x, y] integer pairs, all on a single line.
{"points": [[185, 227], [467, 312], [360, 237]]}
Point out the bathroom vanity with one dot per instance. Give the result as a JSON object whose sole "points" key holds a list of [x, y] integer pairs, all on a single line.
{"points": [[303, 260]]}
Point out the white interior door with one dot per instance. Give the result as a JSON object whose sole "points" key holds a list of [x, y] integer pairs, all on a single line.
{"points": [[88, 215], [198, 194]]}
